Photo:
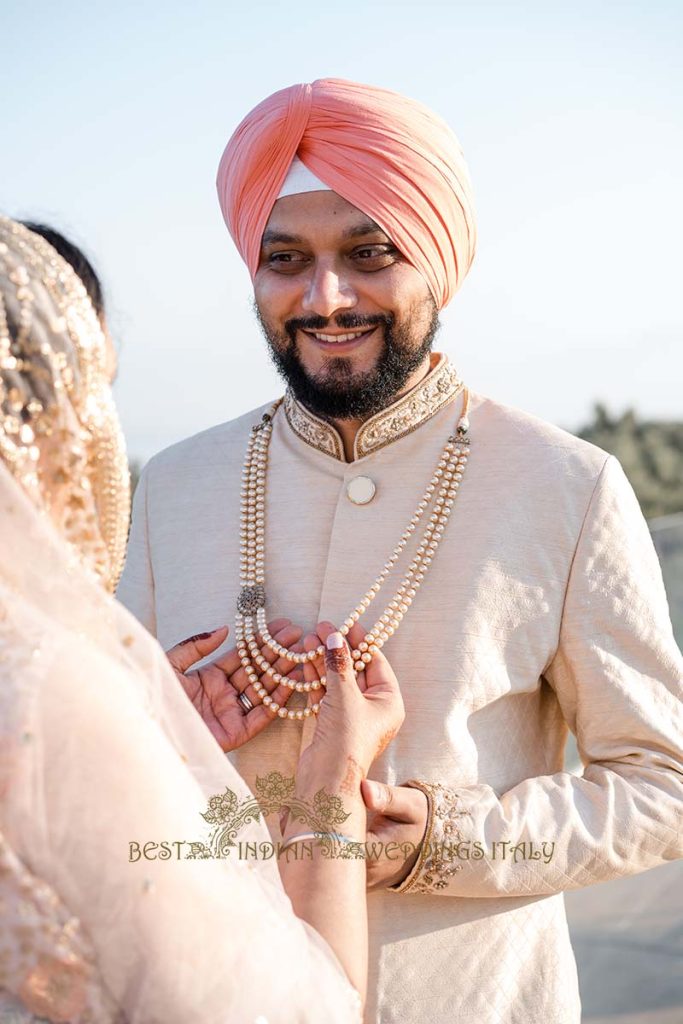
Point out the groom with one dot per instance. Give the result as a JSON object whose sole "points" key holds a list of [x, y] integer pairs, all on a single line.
{"points": [[535, 602]]}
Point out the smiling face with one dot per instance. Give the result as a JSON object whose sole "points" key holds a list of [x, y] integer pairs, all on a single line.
{"points": [[348, 320]]}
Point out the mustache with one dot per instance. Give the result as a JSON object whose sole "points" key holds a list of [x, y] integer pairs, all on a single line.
{"points": [[345, 321]]}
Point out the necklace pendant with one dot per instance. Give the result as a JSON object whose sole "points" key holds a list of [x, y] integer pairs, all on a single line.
{"points": [[251, 598]]}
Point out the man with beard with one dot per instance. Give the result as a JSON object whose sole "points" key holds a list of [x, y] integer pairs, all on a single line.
{"points": [[502, 563]]}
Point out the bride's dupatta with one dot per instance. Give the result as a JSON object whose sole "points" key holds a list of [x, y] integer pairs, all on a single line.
{"points": [[102, 758]]}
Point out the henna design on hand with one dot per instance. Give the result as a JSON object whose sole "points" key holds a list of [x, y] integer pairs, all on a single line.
{"points": [[337, 659], [385, 740], [197, 636]]}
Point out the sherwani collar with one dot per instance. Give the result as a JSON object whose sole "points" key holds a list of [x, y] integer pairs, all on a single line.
{"points": [[402, 417]]}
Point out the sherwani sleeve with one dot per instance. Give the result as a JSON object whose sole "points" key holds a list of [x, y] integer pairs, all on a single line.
{"points": [[617, 673], [136, 587]]}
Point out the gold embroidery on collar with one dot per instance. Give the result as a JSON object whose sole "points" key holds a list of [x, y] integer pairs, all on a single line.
{"points": [[313, 431], [408, 413]]}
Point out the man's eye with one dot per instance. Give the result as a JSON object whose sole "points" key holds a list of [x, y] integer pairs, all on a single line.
{"points": [[286, 257], [370, 252]]}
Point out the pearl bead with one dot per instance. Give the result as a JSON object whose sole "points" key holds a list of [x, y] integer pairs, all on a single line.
{"points": [[282, 712]]}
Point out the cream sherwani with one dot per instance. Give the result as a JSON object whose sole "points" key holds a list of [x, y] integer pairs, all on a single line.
{"points": [[544, 609]]}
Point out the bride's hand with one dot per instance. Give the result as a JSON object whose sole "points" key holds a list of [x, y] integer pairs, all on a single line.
{"points": [[213, 689], [359, 715]]}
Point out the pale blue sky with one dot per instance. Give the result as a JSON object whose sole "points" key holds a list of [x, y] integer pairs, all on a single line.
{"points": [[114, 118]]}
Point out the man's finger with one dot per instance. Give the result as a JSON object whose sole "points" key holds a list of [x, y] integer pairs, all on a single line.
{"points": [[189, 652], [400, 803]]}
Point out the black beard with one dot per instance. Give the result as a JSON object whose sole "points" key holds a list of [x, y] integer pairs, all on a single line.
{"points": [[349, 396]]}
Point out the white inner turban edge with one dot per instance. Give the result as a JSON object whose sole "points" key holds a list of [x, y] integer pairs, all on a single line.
{"points": [[300, 179]]}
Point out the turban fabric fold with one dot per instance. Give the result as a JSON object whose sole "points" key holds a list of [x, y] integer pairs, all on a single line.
{"points": [[388, 155]]}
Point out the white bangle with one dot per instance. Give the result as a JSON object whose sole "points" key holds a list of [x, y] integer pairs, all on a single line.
{"points": [[337, 836]]}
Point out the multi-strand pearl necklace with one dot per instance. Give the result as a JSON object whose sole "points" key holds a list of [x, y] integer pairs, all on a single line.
{"points": [[442, 491]]}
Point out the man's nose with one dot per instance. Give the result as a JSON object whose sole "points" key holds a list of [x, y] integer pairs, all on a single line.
{"points": [[327, 292]]}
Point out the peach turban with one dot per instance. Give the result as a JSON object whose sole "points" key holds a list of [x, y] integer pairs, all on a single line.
{"points": [[388, 155]]}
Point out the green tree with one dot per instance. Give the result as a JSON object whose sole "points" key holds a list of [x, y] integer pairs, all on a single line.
{"points": [[651, 453]]}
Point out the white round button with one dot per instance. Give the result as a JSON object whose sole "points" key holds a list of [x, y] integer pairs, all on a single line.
{"points": [[360, 490]]}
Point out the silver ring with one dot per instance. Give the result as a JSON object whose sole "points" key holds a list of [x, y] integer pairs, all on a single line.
{"points": [[245, 702]]}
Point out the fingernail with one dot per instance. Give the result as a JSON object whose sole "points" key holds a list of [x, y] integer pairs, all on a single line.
{"points": [[335, 641], [376, 792]]}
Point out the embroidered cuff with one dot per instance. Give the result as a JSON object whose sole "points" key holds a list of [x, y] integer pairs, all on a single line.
{"points": [[435, 864]]}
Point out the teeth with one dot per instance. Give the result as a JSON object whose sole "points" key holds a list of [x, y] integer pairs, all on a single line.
{"points": [[339, 337]]}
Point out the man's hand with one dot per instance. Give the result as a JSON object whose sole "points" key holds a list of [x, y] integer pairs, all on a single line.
{"points": [[398, 814], [214, 688]]}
